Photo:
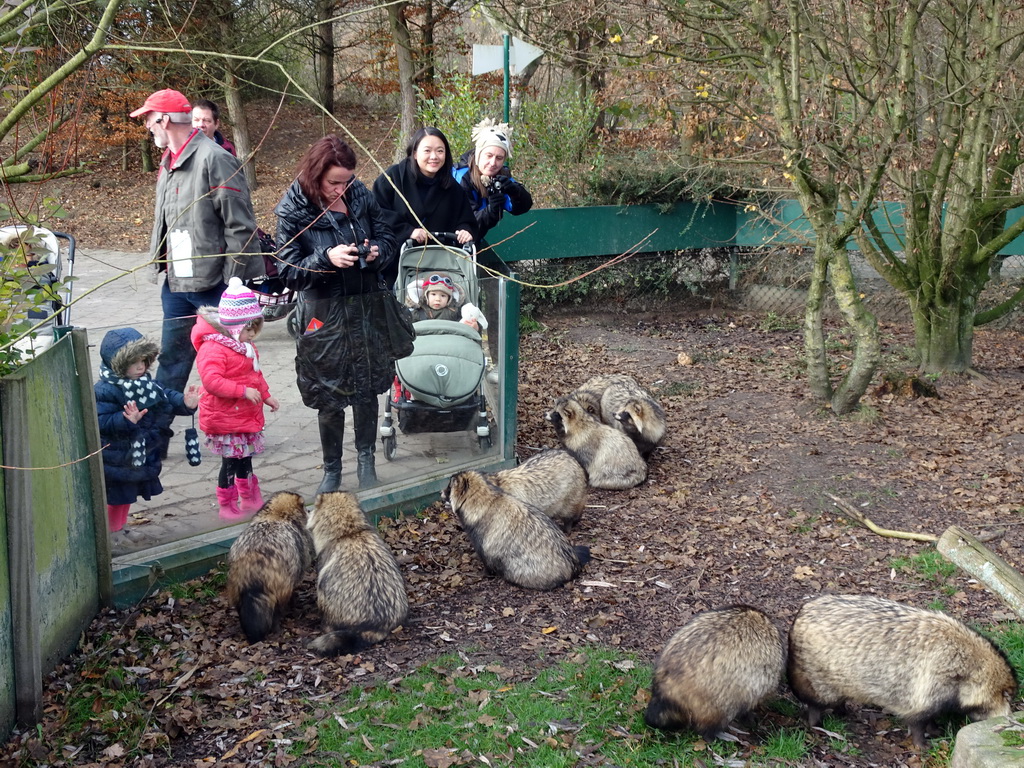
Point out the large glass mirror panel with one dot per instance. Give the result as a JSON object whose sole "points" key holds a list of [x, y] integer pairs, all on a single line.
{"points": [[421, 439]]}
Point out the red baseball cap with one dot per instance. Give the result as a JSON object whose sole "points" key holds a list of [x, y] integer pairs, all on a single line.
{"points": [[167, 100]]}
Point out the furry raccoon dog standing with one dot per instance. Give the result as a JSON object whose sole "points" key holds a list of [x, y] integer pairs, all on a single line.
{"points": [[513, 540], [359, 588], [552, 482], [720, 665], [267, 562], [912, 662], [609, 457]]}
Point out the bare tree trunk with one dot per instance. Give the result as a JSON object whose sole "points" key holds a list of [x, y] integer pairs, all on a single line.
{"points": [[325, 54], [867, 347], [814, 338], [406, 74], [145, 149], [240, 134], [427, 73]]}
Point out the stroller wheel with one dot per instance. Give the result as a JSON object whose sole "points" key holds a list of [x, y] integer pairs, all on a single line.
{"points": [[390, 447], [485, 442], [290, 324]]}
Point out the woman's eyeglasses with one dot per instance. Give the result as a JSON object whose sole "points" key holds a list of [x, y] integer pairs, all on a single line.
{"points": [[439, 280]]}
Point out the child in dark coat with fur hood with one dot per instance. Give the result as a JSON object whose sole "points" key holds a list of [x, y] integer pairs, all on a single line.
{"points": [[233, 393], [131, 408]]}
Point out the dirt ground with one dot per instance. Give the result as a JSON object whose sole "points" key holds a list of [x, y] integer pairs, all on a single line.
{"points": [[737, 508]]}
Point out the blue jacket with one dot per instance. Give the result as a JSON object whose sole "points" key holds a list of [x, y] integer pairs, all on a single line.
{"points": [[131, 456], [517, 198]]}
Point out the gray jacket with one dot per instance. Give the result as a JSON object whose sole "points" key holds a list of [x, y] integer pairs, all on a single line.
{"points": [[204, 227]]}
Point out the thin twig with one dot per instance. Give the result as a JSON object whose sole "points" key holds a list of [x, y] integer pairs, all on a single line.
{"points": [[851, 512]]}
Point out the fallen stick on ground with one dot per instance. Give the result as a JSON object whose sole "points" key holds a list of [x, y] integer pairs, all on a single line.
{"points": [[851, 512]]}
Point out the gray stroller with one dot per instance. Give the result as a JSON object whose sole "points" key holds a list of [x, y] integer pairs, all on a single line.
{"points": [[438, 388]]}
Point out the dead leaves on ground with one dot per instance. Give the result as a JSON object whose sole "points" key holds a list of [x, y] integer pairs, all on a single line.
{"points": [[734, 510]]}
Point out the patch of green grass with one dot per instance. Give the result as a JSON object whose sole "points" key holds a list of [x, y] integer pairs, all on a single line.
{"points": [[929, 565], [787, 744], [865, 414], [676, 388], [775, 322], [785, 707], [837, 725], [528, 324], [104, 702], [447, 709], [1009, 636]]}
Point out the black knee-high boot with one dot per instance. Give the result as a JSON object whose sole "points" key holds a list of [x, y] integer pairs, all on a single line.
{"points": [[364, 423], [332, 431]]}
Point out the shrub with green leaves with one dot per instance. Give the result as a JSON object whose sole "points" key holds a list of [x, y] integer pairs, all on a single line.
{"points": [[461, 106], [27, 289]]}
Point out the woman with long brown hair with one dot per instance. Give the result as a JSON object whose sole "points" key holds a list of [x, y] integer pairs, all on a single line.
{"points": [[334, 244]]}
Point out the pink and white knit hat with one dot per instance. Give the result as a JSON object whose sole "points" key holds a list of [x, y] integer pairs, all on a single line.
{"points": [[238, 306]]}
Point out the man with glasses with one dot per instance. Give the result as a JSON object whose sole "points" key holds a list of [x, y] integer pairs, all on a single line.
{"points": [[203, 228]]}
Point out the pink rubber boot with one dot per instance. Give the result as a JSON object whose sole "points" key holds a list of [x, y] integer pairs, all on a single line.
{"points": [[227, 499], [249, 497], [117, 516]]}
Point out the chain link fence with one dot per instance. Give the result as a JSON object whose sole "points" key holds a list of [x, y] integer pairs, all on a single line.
{"points": [[764, 281]]}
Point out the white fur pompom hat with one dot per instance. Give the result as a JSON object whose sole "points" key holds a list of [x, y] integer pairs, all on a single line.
{"points": [[488, 133]]}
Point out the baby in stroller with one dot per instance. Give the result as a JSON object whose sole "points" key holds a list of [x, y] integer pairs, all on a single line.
{"points": [[439, 298], [438, 388]]}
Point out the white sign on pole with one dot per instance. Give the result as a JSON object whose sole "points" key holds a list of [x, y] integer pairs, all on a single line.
{"points": [[487, 58]]}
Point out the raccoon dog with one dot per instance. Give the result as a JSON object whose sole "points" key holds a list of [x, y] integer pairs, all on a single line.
{"points": [[609, 457], [267, 562], [359, 588], [720, 665], [644, 421], [912, 662], [552, 482], [513, 540], [589, 394]]}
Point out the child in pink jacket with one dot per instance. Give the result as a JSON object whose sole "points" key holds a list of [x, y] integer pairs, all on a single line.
{"points": [[232, 396]]}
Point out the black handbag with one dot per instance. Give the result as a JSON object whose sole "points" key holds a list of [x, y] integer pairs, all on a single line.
{"points": [[192, 452], [401, 334]]}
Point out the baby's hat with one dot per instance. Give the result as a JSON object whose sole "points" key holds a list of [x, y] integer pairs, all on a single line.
{"points": [[487, 133], [238, 306], [439, 282]]}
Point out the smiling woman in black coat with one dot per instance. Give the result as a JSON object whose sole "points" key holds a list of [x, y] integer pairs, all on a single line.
{"points": [[342, 353], [433, 200]]}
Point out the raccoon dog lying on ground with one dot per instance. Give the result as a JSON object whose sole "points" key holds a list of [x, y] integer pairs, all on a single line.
{"points": [[590, 393], [359, 588], [643, 419], [266, 564], [609, 457], [912, 662], [552, 482], [720, 665], [513, 540], [625, 405]]}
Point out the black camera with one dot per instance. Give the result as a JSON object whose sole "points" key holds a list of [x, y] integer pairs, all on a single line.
{"points": [[496, 184], [362, 251]]}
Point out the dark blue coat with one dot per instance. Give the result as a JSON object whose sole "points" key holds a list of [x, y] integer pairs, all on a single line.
{"points": [[516, 200], [125, 482]]}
